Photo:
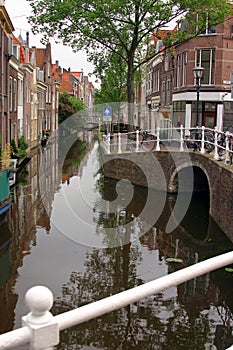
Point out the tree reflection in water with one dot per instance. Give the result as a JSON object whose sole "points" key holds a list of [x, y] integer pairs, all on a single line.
{"points": [[189, 316]]}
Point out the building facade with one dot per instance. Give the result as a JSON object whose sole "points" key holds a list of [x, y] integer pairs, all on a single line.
{"points": [[170, 93], [6, 30]]}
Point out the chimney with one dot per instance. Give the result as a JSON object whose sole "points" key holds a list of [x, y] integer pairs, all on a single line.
{"points": [[57, 64], [27, 39]]}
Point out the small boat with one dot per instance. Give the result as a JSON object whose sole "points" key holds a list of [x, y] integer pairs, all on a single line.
{"points": [[5, 199], [4, 206]]}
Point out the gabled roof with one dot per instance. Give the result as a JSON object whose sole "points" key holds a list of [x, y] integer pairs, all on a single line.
{"points": [[77, 74], [40, 57], [66, 85], [161, 34], [43, 55]]}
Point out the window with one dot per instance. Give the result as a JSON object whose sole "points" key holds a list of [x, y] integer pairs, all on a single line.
{"points": [[10, 43], [163, 97], [11, 94], [28, 93], [206, 59], [178, 71], [149, 82], [184, 68], [179, 108], [20, 93], [155, 81], [207, 27], [15, 95], [16, 50], [168, 95]]}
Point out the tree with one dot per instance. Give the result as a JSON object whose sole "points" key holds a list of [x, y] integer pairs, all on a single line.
{"points": [[68, 105], [113, 81], [117, 27]]}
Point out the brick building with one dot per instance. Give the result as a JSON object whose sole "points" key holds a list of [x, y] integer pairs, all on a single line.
{"points": [[6, 29], [170, 91]]}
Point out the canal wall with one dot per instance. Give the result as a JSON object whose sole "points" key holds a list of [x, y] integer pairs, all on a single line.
{"points": [[162, 171]]}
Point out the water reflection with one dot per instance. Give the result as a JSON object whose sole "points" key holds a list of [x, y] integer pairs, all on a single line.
{"points": [[196, 314]]}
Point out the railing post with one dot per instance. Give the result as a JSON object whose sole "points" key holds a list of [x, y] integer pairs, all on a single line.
{"points": [[202, 139], [158, 139], [119, 142], [137, 140], [216, 156], [227, 159], [108, 140], [44, 331], [181, 138]]}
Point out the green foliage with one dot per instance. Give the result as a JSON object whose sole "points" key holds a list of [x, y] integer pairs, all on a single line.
{"points": [[74, 156], [21, 150], [68, 105], [113, 80], [5, 156], [22, 143], [117, 28], [14, 147]]}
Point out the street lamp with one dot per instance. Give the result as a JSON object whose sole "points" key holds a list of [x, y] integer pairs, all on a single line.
{"points": [[198, 72]]}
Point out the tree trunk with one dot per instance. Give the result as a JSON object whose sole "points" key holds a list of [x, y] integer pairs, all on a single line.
{"points": [[130, 92]]}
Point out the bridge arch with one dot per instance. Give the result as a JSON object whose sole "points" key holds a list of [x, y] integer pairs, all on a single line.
{"points": [[214, 176], [199, 178]]}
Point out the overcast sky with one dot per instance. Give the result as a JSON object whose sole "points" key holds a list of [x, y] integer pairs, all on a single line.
{"points": [[18, 10]]}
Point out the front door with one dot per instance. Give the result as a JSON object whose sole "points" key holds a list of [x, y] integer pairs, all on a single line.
{"points": [[209, 119]]}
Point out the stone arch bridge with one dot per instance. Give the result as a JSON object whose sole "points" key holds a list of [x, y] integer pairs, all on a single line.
{"points": [[174, 171]]}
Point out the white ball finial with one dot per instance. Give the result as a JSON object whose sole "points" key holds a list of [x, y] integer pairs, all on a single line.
{"points": [[39, 300]]}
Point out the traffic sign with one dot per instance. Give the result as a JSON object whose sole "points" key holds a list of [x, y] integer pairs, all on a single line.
{"points": [[107, 114]]}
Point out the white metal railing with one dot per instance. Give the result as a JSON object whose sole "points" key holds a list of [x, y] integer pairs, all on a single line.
{"points": [[202, 139], [41, 329]]}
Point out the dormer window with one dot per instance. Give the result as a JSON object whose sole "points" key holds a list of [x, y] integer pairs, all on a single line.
{"points": [[26, 50], [159, 45], [16, 51], [208, 29]]}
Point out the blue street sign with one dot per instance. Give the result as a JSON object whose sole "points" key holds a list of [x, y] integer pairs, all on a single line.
{"points": [[107, 114]]}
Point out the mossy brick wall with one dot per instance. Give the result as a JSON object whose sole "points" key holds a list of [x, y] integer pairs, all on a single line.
{"points": [[157, 170]]}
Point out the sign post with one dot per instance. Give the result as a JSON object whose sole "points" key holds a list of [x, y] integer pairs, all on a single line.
{"points": [[107, 116]]}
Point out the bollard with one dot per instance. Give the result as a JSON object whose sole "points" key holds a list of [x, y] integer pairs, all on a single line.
{"points": [[44, 330]]}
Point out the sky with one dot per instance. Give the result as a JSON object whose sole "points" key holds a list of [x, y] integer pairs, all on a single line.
{"points": [[18, 11]]}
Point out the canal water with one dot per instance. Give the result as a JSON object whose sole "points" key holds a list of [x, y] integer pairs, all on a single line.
{"points": [[82, 236]]}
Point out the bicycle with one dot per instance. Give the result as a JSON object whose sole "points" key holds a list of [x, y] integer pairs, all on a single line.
{"points": [[147, 142]]}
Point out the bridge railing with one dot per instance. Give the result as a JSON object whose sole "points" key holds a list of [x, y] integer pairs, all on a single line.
{"points": [[41, 329], [202, 139]]}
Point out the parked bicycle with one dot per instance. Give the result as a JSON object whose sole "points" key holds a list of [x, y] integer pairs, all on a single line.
{"points": [[147, 142]]}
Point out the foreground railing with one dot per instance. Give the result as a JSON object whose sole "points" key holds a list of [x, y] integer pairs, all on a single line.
{"points": [[41, 329], [202, 139]]}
